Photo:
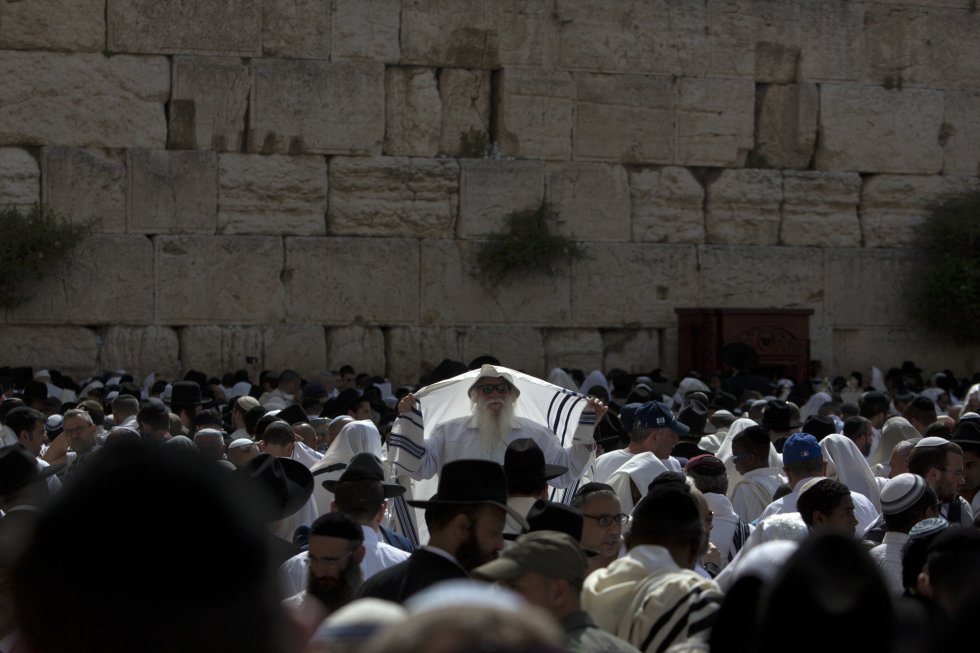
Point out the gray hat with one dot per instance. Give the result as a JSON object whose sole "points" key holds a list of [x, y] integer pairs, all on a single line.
{"points": [[901, 493]]}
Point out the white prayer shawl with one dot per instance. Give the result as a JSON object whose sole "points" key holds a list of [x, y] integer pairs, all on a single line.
{"points": [[641, 469], [813, 404], [562, 379], [356, 437], [852, 469], [725, 453], [556, 411], [595, 378], [894, 431], [689, 384]]}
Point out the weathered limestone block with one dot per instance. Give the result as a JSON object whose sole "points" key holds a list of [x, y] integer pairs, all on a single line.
{"points": [[961, 126], [172, 191], [141, 350], [860, 348], [820, 209], [868, 286], [573, 348], [84, 185], [361, 347], [871, 129], [83, 99], [208, 103], [272, 194], [72, 25], [225, 279], [953, 67], [832, 40], [715, 121], [896, 48], [633, 350], [737, 28], [219, 349], [70, 350], [316, 107], [893, 207], [592, 199], [667, 206], [301, 348], [491, 189], [366, 30], [414, 112], [650, 281], [352, 280], [626, 118], [465, 96], [743, 208], [453, 293], [20, 178], [762, 277], [664, 36], [520, 348], [448, 33], [76, 290], [298, 29], [535, 114], [526, 32], [786, 124], [177, 27], [414, 351], [393, 196], [776, 63]]}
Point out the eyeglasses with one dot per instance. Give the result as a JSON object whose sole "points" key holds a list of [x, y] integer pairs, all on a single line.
{"points": [[608, 520], [327, 563], [77, 429], [490, 388]]}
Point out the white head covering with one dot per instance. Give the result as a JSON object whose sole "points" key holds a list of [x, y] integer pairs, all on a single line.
{"points": [[725, 452], [852, 468], [356, 437], [595, 378], [894, 431], [782, 527], [813, 404], [356, 622], [689, 384], [562, 379], [641, 469]]}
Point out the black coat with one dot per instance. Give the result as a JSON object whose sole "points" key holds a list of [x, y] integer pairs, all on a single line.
{"points": [[422, 569]]}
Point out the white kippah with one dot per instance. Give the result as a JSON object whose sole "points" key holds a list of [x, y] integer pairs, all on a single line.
{"points": [[901, 493], [211, 432], [240, 442], [931, 441]]}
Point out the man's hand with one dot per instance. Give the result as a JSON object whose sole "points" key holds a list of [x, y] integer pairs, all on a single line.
{"points": [[600, 408], [405, 403]]}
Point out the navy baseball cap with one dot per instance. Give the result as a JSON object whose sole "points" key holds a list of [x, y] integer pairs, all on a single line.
{"points": [[627, 416], [655, 415], [800, 448]]}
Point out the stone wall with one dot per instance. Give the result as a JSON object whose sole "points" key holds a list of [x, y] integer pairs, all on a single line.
{"points": [[293, 179]]}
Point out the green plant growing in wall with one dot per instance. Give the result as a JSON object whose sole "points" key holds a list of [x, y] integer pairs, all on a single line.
{"points": [[34, 245], [948, 274], [526, 245]]}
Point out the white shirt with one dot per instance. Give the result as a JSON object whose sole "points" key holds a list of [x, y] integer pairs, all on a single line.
{"points": [[608, 463], [888, 557], [753, 493], [723, 524], [864, 510]]}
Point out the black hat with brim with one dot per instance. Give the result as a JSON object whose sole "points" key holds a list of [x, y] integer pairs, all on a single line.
{"points": [[365, 467], [18, 468], [288, 483], [553, 516], [471, 481]]}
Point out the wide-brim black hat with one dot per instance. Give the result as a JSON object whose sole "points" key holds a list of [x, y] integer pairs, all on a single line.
{"points": [[365, 467], [524, 464], [471, 481], [553, 516], [184, 393], [293, 414], [694, 414], [778, 416], [967, 432], [19, 468], [288, 483]]}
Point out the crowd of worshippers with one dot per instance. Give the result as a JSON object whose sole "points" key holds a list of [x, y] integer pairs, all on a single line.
{"points": [[726, 513]]}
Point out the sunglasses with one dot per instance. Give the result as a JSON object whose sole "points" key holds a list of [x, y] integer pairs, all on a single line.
{"points": [[490, 388]]}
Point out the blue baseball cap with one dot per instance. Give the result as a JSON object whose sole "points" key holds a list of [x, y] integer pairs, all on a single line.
{"points": [[627, 416], [655, 415], [800, 448]]}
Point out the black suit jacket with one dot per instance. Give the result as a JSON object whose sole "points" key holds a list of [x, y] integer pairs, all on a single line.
{"points": [[422, 569]]}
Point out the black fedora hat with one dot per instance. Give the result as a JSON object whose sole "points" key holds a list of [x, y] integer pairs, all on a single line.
{"points": [[183, 393], [18, 468], [524, 465], [694, 414], [471, 481], [778, 416], [553, 516], [365, 467], [967, 432], [293, 414], [289, 484]]}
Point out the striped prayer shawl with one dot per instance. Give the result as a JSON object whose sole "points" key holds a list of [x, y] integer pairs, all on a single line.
{"points": [[668, 609]]}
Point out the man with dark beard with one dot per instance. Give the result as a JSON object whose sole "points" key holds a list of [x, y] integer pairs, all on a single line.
{"points": [[336, 548]]}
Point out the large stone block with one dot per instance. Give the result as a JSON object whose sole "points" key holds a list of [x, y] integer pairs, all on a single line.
{"points": [[465, 96], [627, 118], [85, 185], [955, 66], [366, 30], [893, 207], [633, 350], [860, 348], [870, 129], [667, 206], [172, 192], [298, 29], [70, 350], [208, 103], [20, 178], [413, 118], [452, 291], [659, 36], [868, 286], [77, 290], [361, 347], [491, 189], [715, 121], [352, 280], [592, 199], [519, 348], [535, 114], [316, 107], [83, 100], [737, 28], [961, 126], [526, 33], [215, 350], [393, 196], [573, 348], [786, 124], [820, 209], [272, 194], [761, 277], [301, 348], [832, 40], [414, 351], [896, 48], [179, 27], [72, 25], [141, 350], [224, 279], [743, 208], [650, 281]]}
